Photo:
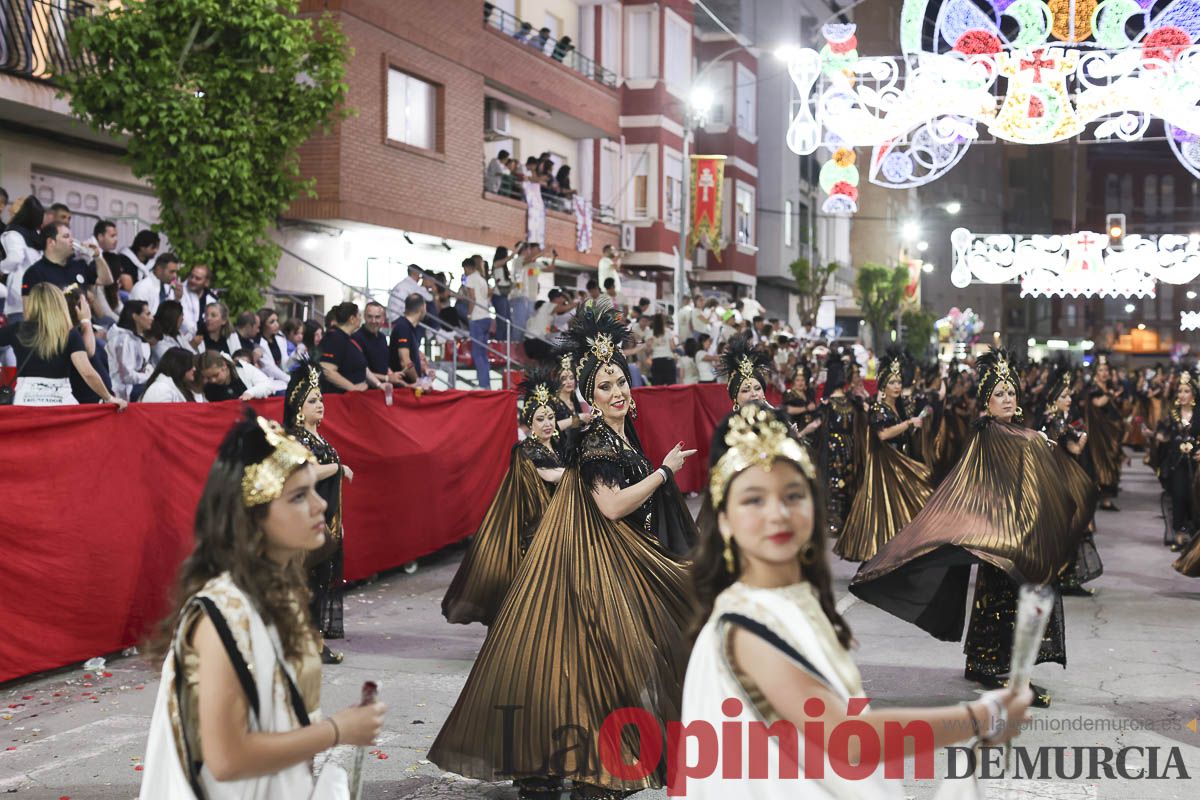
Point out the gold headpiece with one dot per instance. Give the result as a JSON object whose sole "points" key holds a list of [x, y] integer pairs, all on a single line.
{"points": [[541, 396], [755, 438], [746, 367], [1185, 377], [1101, 360], [894, 370], [263, 482], [602, 347], [305, 386], [564, 364]]}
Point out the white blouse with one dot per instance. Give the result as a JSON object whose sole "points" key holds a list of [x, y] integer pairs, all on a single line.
{"points": [[128, 360], [18, 257]]}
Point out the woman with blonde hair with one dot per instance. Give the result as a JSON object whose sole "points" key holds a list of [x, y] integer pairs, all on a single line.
{"points": [[47, 349]]}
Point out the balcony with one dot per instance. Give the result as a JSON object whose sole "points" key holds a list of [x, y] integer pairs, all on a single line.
{"points": [[507, 185], [561, 50], [33, 37]]}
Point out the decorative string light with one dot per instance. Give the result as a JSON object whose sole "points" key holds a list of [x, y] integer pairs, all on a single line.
{"points": [[1112, 65], [1075, 265]]}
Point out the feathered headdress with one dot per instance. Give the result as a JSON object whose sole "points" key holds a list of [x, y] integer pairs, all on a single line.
{"points": [[741, 361], [995, 367], [538, 390], [895, 363], [837, 370], [595, 339], [305, 379], [1060, 381]]}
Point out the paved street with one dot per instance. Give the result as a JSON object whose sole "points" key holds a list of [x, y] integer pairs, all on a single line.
{"points": [[1132, 649]]}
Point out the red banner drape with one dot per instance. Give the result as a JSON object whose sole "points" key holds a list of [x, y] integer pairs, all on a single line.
{"points": [[98, 506]]}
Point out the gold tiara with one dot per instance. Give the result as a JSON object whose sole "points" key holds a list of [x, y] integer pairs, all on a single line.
{"points": [[894, 369], [602, 348], [564, 363], [1185, 376], [746, 367], [311, 381], [755, 439], [263, 482]]}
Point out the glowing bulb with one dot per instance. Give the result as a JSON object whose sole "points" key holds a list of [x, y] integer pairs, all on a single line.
{"points": [[953, 207], [927, 267], [1141, 326], [701, 100], [1129, 307], [1191, 295], [1115, 232], [910, 231], [1031, 342], [922, 246]]}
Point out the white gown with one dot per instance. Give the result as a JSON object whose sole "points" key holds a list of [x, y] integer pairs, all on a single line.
{"points": [[794, 615]]}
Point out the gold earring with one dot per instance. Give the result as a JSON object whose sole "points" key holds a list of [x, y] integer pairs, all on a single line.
{"points": [[729, 563], [299, 417]]}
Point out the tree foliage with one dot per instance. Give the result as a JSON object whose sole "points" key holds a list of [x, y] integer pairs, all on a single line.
{"points": [[214, 97], [879, 290], [918, 332], [811, 283]]}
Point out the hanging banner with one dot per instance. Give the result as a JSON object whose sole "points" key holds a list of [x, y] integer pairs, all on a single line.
{"points": [[708, 178], [911, 299]]}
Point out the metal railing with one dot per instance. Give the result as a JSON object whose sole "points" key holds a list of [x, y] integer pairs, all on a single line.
{"points": [[508, 186], [561, 50], [33, 37]]}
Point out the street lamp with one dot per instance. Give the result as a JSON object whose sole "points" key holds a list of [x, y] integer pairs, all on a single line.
{"points": [[910, 231], [922, 246]]}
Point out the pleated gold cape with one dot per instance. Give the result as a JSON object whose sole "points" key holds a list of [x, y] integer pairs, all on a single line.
{"points": [[593, 623], [1006, 503], [488, 568], [894, 488]]}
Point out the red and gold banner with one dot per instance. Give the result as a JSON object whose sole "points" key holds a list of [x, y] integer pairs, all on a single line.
{"points": [[708, 178]]}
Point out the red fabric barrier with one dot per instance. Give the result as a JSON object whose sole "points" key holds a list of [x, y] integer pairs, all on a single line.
{"points": [[98, 506], [668, 415]]}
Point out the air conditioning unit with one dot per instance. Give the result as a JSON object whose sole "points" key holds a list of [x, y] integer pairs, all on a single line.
{"points": [[495, 122], [628, 237]]}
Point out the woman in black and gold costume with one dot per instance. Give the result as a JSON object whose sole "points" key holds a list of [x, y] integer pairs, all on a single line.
{"points": [[744, 368], [839, 441], [1004, 507], [949, 428], [596, 615], [1177, 448], [800, 400], [303, 411], [569, 413], [1103, 455], [1056, 424], [534, 471], [895, 486]]}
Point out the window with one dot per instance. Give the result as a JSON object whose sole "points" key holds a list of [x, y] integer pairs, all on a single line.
{"points": [[643, 183], [411, 110], [744, 215], [787, 223], [720, 77], [672, 187], [610, 37], [804, 223], [641, 42], [1150, 195], [1167, 188], [1126, 193], [1112, 192], [677, 60], [747, 101]]}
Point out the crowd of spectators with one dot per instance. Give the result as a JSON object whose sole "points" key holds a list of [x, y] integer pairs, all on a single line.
{"points": [[505, 175]]}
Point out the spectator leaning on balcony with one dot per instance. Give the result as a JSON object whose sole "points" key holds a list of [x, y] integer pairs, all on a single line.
{"points": [[136, 259], [129, 362], [343, 364], [173, 378], [541, 41], [475, 289], [48, 348], [404, 356], [563, 180], [411, 284], [562, 48], [493, 176], [523, 33], [161, 284], [22, 245]]}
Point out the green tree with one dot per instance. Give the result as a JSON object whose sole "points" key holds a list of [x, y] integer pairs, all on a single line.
{"points": [[918, 332], [879, 290], [811, 283], [214, 97]]}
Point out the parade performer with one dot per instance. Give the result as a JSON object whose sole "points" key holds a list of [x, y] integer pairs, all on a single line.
{"points": [[594, 621], [799, 401], [894, 486], [303, 412], [949, 426], [1057, 425], [1177, 441], [839, 440], [770, 634], [570, 414], [1004, 507], [1102, 416], [487, 570], [237, 715], [745, 370]]}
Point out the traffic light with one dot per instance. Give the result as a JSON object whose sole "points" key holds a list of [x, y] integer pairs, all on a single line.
{"points": [[1116, 231]]}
